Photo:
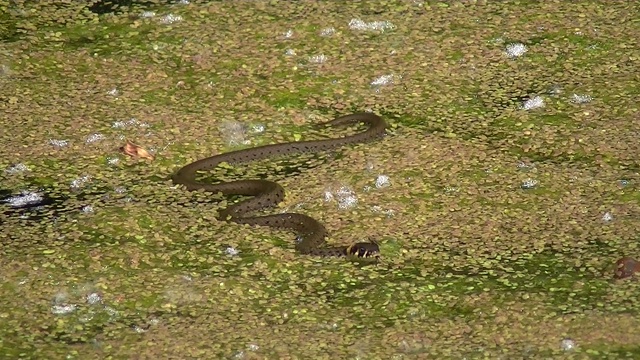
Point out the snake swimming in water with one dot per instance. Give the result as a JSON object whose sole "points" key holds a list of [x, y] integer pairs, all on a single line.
{"points": [[264, 194]]}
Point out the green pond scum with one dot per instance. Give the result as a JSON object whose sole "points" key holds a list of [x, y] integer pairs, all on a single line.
{"points": [[510, 168]]}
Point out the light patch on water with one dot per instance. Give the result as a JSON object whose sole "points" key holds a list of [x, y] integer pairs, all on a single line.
{"points": [[58, 143], [139, 330], [290, 52], [288, 34], [258, 128], [529, 184], [386, 212], [133, 122], [385, 80], [357, 24], [533, 103], [79, 182], [580, 99], [516, 50], [234, 132], [382, 181], [608, 216], [555, 89], [94, 138], [88, 209], [451, 189], [16, 169], [170, 19], [111, 311], [93, 298], [147, 14], [63, 309], [231, 251], [344, 196], [158, 46], [24, 199], [113, 92], [61, 304], [5, 71], [113, 160], [567, 344], [623, 183], [318, 59], [327, 31], [521, 165]]}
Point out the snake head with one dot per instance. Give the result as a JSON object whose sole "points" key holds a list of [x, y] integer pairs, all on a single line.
{"points": [[364, 250]]}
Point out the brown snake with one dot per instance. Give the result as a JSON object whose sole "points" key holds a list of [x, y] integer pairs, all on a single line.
{"points": [[265, 194]]}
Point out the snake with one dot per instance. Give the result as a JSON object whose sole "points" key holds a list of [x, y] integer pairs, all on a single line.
{"points": [[263, 194]]}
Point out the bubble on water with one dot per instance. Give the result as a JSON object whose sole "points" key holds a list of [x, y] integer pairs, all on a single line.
{"points": [[357, 24], [258, 128], [382, 181], [384, 80], [529, 184], [170, 19], [525, 166], [133, 122], [533, 103], [451, 189], [580, 99], [88, 209], [63, 309], [16, 169], [113, 160], [387, 212], [139, 329], [327, 31], [25, 198], [60, 305], [94, 138], [288, 34], [318, 59], [344, 196], [567, 344], [79, 182], [93, 298], [234, 132], [58, 143], [5, 71], [516, 50]]}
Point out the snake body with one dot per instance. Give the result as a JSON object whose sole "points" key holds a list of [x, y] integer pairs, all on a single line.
{"points": [[264, 194]]}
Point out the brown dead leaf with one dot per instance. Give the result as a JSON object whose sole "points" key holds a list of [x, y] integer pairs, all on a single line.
{"points": [[134, 150], [626, 267]]}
